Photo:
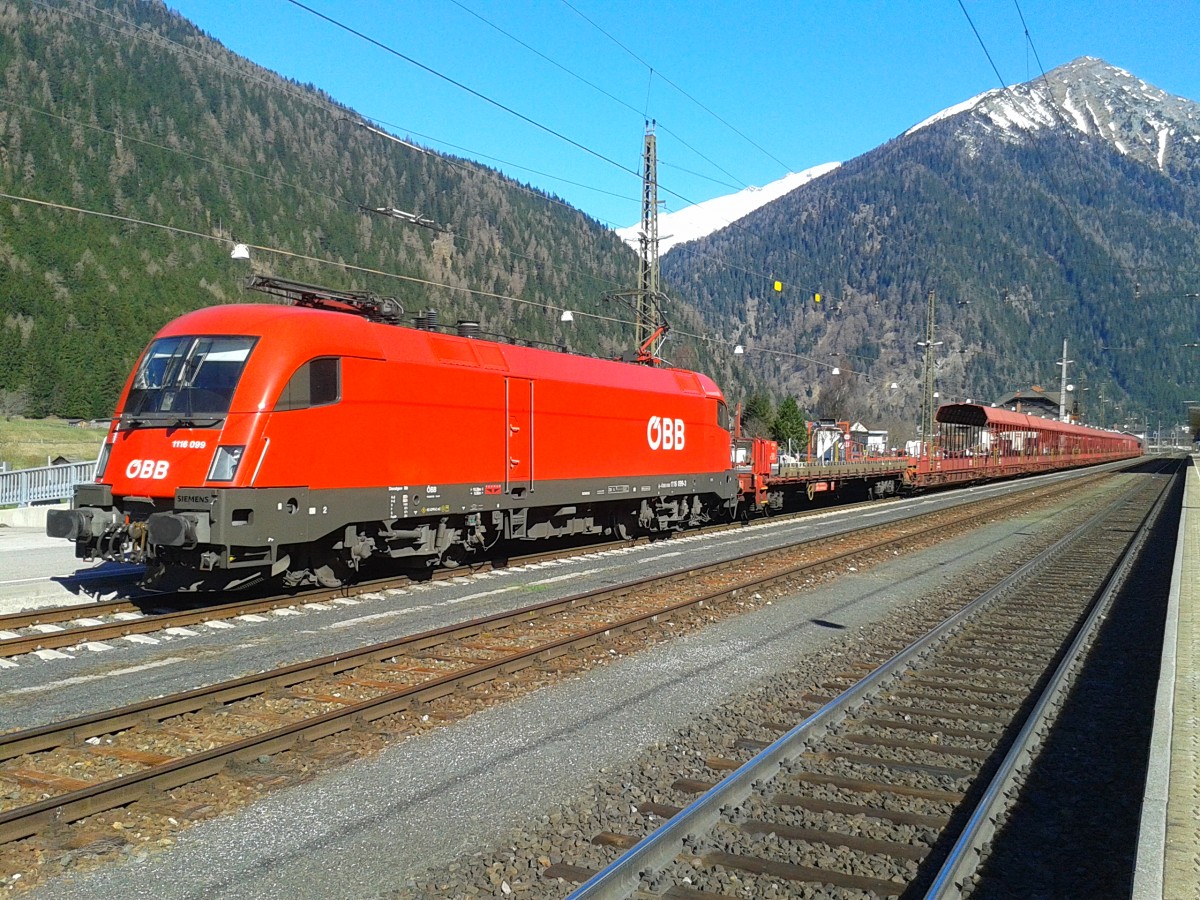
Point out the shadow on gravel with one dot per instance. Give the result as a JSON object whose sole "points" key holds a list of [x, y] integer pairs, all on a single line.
{"points": [[103, 579]]}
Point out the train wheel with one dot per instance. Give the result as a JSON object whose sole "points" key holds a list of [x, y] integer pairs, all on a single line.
{"points": [[625, 526], [327, 577], [457, 555]]}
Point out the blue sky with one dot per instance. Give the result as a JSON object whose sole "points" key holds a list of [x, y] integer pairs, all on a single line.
{"points": [[742, 92]]}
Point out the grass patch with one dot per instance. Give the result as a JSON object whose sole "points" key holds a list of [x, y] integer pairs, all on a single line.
{"points": [[25, 443]]}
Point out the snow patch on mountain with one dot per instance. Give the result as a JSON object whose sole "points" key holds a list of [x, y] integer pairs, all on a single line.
{"points": [[952, 111], [694, 222]]}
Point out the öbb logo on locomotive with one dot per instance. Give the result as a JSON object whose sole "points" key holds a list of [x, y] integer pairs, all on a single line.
{"points": [[663, 433], [155, 469]]}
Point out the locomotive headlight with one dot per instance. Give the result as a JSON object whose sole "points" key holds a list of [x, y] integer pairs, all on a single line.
{"points": [[102, 462], [225, 463]]}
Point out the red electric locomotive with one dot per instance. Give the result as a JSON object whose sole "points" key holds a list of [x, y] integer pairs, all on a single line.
{"points": [[259, 442]]}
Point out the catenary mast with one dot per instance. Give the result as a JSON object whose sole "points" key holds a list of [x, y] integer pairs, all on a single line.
{"points": [[648, 271]]}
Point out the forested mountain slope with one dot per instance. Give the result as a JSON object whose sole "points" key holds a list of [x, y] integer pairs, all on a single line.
{"points": [[1068, 207], [126, 109]]}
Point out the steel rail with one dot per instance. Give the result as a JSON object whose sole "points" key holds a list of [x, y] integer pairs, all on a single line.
{"points": [[45, 737], [55, 614], [183, 618], [194, 615], [178, 618], [622, 878], [966, 854], [28, 820]]}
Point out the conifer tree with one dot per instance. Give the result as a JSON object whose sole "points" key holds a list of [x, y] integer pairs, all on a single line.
{"points": [[790, 427]]}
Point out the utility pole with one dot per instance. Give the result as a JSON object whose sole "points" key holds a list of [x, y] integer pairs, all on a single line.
{"points": [[1062, 385], [927, 408]]}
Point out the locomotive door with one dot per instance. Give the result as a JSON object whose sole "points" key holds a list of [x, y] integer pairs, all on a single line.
{"points": [[518, 443]]}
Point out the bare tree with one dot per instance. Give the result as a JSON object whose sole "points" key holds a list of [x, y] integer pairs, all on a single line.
{"points": [[834, 396]]}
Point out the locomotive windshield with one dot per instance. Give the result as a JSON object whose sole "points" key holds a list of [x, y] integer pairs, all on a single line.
{"points": [[189, 376]]}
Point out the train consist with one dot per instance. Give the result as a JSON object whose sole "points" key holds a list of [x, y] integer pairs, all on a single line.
{"points": [[290, 443]]}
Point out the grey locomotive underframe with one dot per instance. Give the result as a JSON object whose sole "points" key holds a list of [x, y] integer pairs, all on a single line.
{"points": [[208, 529]]}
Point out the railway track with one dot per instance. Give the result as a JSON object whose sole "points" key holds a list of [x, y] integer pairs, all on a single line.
{"points": [[60, 773], [895, 778], [78, 625], [55, 628]]}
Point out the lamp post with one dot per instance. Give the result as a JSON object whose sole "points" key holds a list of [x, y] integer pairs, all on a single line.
{"points": [[1077, 402], [1062, 387], [929, 394]]}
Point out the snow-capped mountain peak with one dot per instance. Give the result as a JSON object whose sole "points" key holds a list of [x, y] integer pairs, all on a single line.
{"points": [[1094, 98], [696, 221]]}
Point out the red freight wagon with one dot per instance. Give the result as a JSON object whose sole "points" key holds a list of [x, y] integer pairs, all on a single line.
{"points": [[981, 443]]}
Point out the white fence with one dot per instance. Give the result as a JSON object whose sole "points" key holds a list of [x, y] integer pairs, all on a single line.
{"points": [[45, 484]]}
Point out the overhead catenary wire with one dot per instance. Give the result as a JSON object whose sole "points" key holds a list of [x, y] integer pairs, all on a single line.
{"points": [[374, 42], [684, 93], [1058, 194], [131, 220], [772, 352], [334, 107], [274, 83], [270, 83], [242, 70], [645, 113], [832, 297], [652, 72], [461, 86], [174, 229], [478, 94], [1074, 149], [484, 97], [366, 270], [123, 136], [475, 154]]}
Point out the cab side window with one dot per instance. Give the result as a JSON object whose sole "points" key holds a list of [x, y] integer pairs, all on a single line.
{"points": [[723, 415], [316, 383]]}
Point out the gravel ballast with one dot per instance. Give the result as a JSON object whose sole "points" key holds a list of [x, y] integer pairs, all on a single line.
{"points": [[378, 827]]}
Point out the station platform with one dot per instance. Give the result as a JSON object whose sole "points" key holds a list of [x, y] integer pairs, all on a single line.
{"points": [[1168, 862]]}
